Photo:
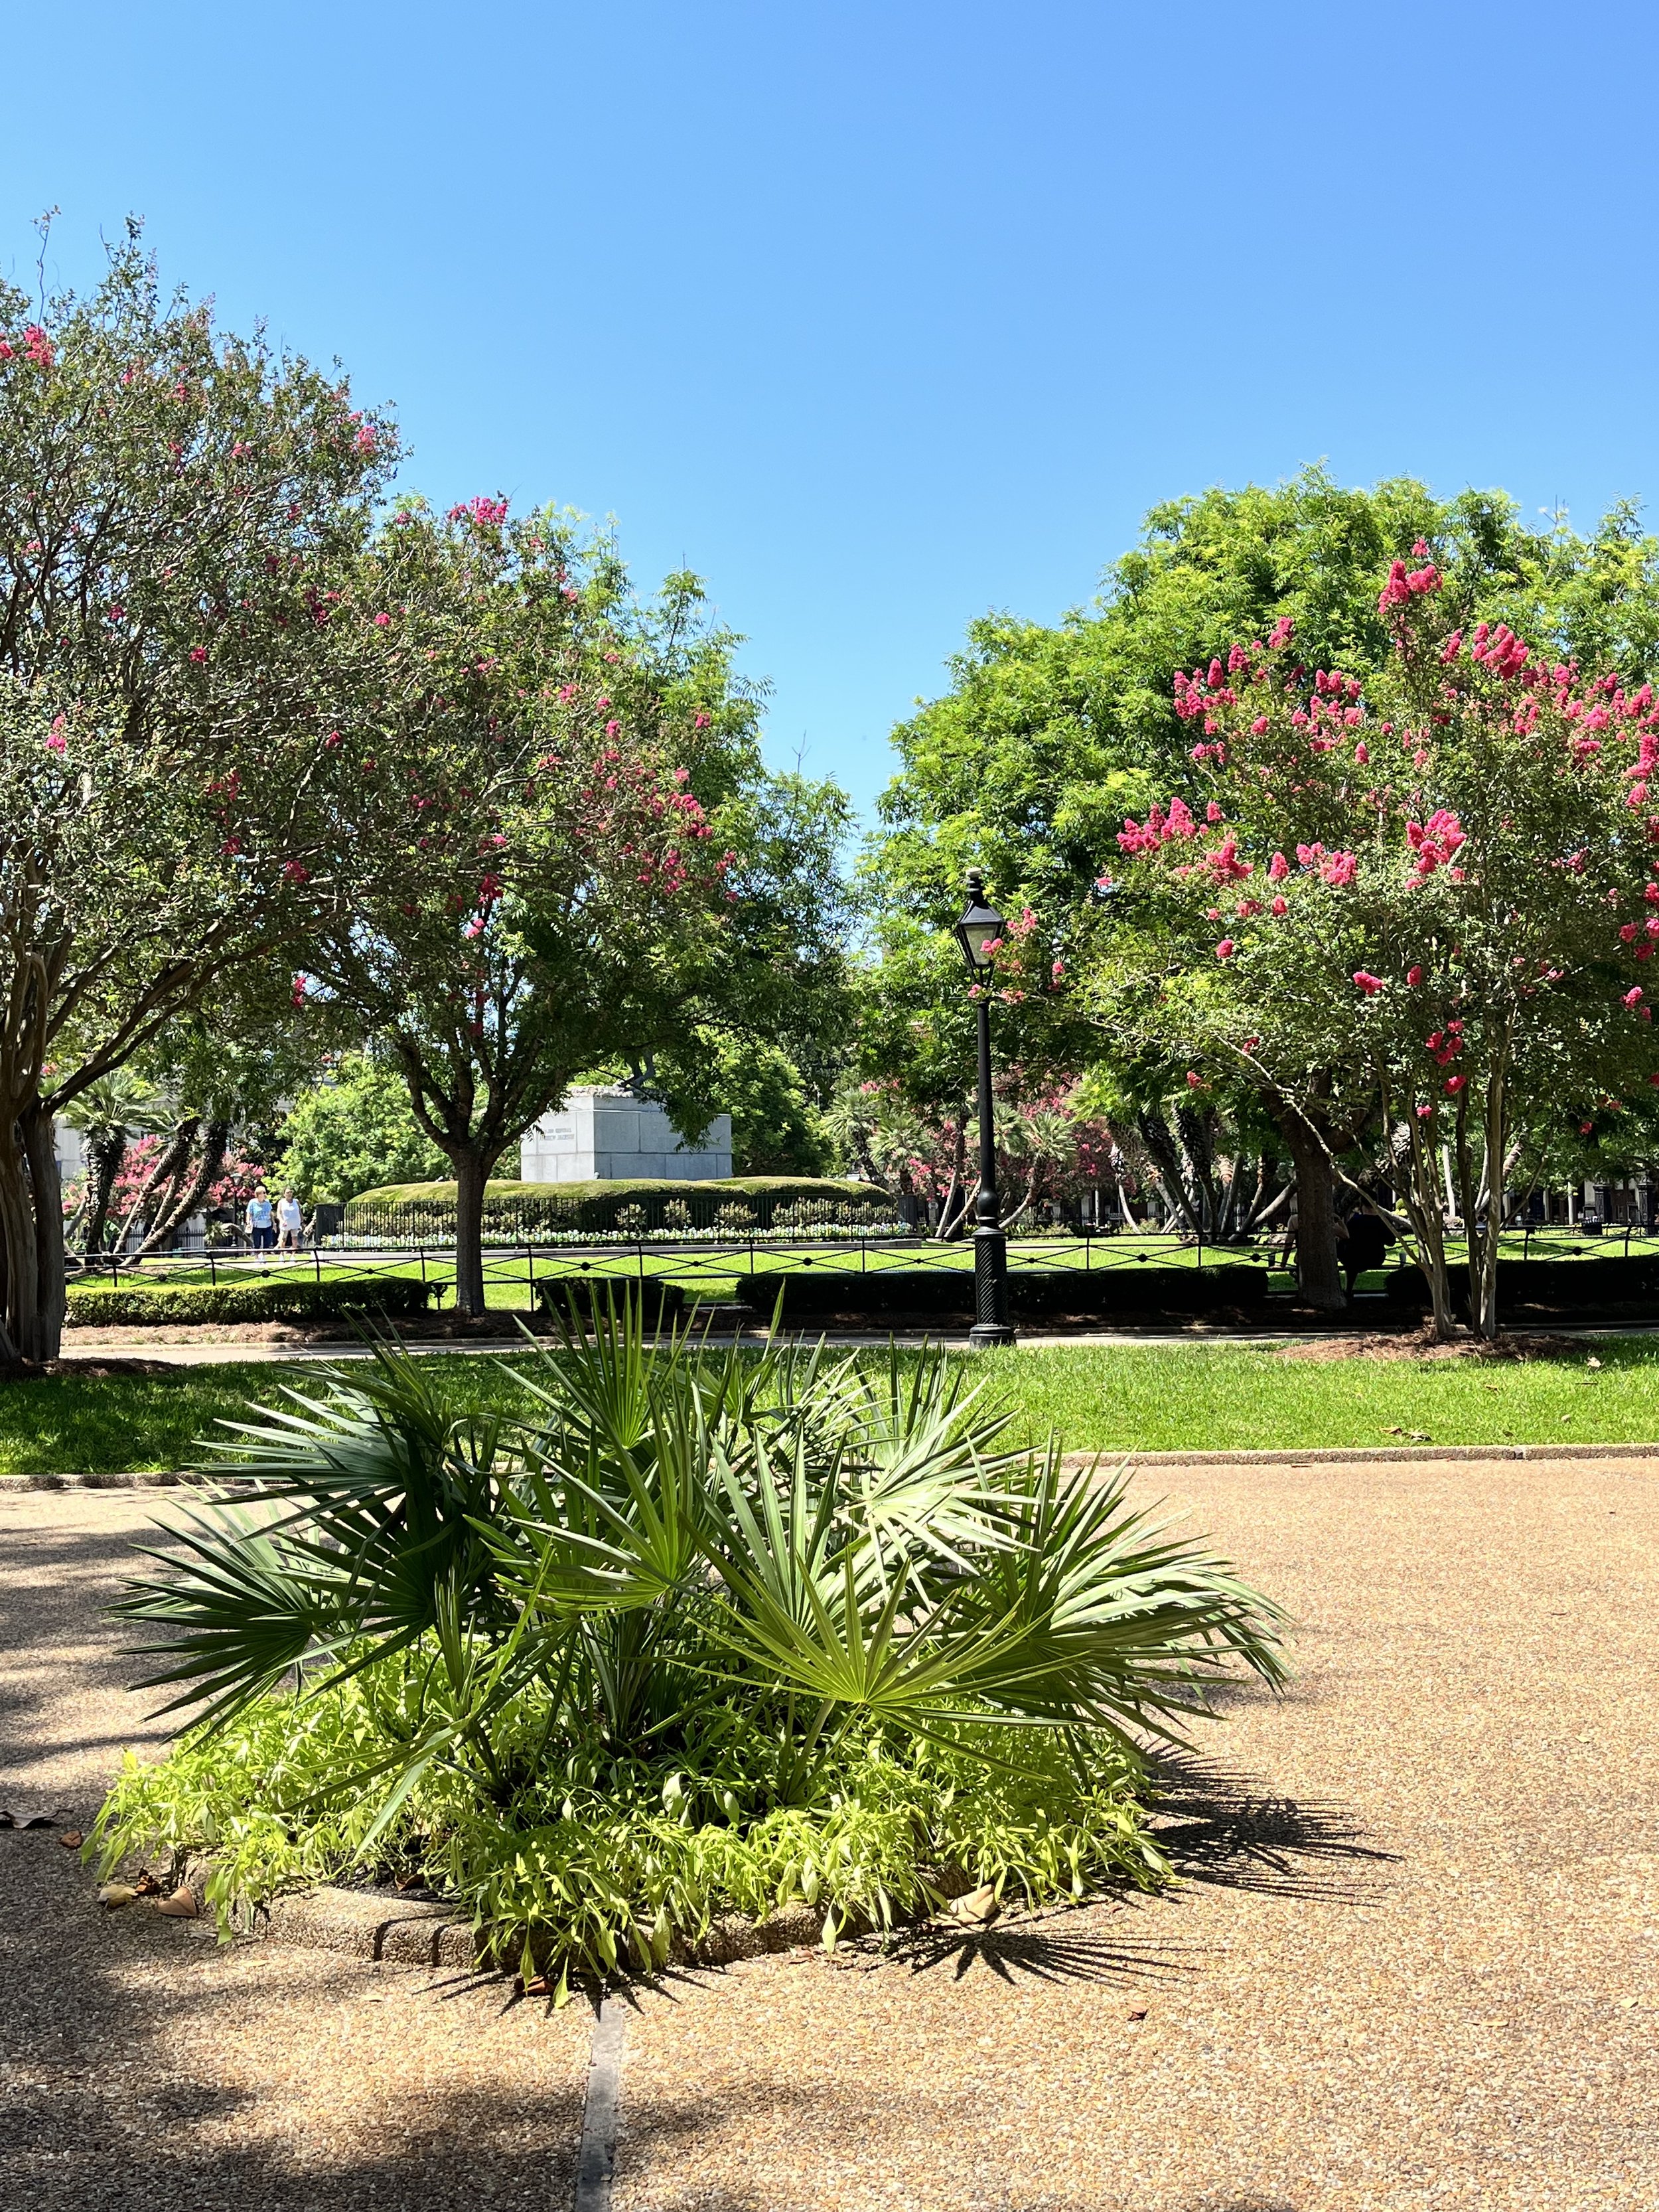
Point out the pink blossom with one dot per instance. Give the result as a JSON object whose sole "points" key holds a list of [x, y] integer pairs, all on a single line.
{"points": [[367, 438], [1212, 812], [295, 871], [382, 621], [1365, 982], [199, 653], [333, 742], [1414, 976], [1281, 906], [1280, 632], [1339, 869], [611, 730], [1224, 950], [1362, 753], [1278, 868], [1195, 1081], [1455, 1084], [300, 983], [1423, 1113], [1633, 998]]}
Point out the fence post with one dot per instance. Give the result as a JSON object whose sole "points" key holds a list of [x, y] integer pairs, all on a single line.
{"points": [[423, 1263], [213, 1269], [530, 1259]]}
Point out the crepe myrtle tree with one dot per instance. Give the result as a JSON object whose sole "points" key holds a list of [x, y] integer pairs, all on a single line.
{"points": [[514, 811], [174, 503], [1442, 886]]}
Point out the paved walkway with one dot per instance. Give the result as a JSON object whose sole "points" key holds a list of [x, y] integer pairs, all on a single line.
{"points": [[143, 2069], [1415, 1964]]}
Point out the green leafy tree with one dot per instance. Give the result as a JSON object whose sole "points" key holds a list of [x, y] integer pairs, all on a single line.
{"points": [[174, 504], [1048, 735], [1439, 886], [353, 1131], [515, 838]]}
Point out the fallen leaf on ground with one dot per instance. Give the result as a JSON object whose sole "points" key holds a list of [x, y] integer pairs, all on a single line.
{"points": [[181, 1905], [72, 1839], [1137, 2012], [114, 1894], [1592, 1362]]}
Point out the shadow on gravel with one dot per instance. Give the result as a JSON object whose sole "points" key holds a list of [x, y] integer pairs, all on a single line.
{"points": [[1223, 1828]]}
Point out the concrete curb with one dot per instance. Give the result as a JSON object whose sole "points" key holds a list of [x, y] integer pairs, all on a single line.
{"points": [[394, 1931], [1311, 1456], [1380, 1455]]}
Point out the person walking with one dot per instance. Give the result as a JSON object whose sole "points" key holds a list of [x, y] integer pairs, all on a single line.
{"points": [[261, 1223], [290, 1222]]}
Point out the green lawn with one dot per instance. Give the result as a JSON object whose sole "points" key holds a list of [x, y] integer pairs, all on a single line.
{"points": [[1149, 1398]]}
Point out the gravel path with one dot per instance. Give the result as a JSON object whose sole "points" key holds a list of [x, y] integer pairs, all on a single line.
{"points": [[1414, 1966], [1417, 1966], [142, 2067]]}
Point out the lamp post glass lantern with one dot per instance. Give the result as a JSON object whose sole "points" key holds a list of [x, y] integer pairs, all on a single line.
{"points": [[977, 933]]}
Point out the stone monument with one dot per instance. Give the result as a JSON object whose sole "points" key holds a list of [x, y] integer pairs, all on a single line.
{"points": [[607, 1132]]}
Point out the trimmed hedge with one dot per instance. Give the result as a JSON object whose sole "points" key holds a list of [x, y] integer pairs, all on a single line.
{"points": [[520, 1210], [1557, 1286], [155, 1305], [1038, 1295]]}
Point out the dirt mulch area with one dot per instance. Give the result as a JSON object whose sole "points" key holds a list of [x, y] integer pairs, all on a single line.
{"points": [[1414, 1965], [1421, 1345]]}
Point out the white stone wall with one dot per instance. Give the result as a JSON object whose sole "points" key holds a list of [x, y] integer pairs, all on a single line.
{"points": [[609, 1133]]}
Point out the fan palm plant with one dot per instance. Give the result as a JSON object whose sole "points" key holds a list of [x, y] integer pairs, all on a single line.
{"points": [[709, 1584]]}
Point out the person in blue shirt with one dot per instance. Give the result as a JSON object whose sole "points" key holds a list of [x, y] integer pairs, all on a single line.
{"points": [[261, 1221]]}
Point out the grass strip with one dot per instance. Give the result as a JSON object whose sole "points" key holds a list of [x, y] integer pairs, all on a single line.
{"points": [[1150, 1398]]}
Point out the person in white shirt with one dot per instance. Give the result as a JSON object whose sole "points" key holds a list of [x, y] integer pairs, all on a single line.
{"points": [[289, 1222]]}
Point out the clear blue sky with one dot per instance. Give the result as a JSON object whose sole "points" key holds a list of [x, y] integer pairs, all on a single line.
{"points": [[881, 315]]}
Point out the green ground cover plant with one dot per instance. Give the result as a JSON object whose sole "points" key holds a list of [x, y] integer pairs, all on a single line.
{"points": [[1169, 1397], [688, 1635]]}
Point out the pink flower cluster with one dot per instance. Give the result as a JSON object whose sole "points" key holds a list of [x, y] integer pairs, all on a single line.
{"points": [[1444, 1045], [37, 347], [1434, 843], [1157, 829], [483, 513], [1405, 585]]}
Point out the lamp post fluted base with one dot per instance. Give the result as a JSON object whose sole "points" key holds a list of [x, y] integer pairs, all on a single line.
{"points": [[990, 1290]]}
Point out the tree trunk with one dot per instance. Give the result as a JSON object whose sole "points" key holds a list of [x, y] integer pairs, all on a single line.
{"points": [[167, 1166], [1318, 1271], [472, 1174], [216, 1140], [17, 1235], [106, 1151], [40, 1134]]}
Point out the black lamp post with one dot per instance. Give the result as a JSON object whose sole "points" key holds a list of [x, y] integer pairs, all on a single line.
{"points": [[979, 929]]}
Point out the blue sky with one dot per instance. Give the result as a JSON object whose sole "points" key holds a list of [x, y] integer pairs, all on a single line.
{"points": [[880, 316]]}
